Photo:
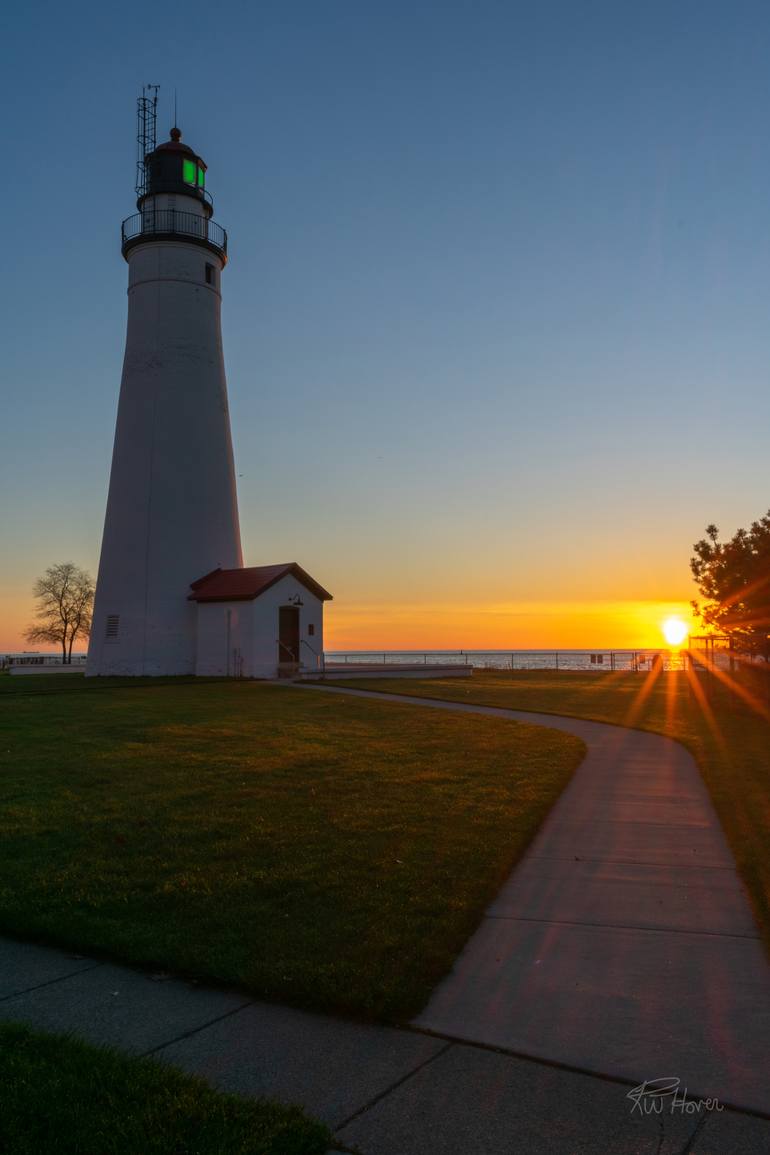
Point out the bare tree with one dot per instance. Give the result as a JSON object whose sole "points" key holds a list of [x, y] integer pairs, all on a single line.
{"points": [[65, 597]]}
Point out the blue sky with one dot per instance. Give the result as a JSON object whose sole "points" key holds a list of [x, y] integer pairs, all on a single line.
{"points": [[496, 314]]}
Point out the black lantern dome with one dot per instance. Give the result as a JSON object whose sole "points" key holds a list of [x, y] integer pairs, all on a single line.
{"points": [[174, 168]]}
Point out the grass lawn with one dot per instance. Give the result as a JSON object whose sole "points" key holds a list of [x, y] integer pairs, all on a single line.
{"points": [[730, 741], [314, 848], [62, 1095]]}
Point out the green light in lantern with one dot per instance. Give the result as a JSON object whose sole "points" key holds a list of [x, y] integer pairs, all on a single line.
{"points": [[188, 171]]}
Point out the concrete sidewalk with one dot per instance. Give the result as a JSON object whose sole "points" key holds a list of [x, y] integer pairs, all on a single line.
{"points": [[624, 942], [383, 1091]]}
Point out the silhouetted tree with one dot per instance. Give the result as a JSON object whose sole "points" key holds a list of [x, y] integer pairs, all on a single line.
{"points": [[65, 597], [734, 578]]}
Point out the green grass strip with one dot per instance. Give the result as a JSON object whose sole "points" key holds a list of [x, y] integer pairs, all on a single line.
{"points": [[65, 1096]]}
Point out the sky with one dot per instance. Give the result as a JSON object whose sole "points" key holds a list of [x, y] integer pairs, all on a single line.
{"points": [[495, 317]]}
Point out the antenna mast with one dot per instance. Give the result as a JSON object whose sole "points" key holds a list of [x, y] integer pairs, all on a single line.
{"points": [[146, 139]]}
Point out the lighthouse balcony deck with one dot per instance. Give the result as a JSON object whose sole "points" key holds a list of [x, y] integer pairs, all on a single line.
{"points": [[157, 224]]}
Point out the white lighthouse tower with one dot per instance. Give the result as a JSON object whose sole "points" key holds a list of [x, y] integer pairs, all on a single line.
{"points": [[172, 512]]}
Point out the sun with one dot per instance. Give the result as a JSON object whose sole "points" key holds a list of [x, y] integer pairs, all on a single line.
{"points": [[674, 631]]}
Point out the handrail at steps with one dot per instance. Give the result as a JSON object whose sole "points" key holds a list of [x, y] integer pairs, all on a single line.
{"points": [[319, 661]]}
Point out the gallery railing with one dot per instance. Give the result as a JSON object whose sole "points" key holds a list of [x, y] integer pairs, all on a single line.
{"points": [[173, 223]]}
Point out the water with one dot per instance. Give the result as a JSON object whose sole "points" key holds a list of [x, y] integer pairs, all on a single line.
{"points": [[594, 661]]}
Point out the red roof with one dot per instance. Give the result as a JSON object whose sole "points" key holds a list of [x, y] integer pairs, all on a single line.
{"points": [[241, 585]]}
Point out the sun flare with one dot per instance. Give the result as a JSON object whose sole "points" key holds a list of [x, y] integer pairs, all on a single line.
{"points": [[674, 631]]}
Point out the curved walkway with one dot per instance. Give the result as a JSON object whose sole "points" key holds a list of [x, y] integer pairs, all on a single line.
{"points": [[623, 943]]}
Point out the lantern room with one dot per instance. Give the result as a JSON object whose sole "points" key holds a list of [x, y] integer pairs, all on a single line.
{"points": [[173, 169]]}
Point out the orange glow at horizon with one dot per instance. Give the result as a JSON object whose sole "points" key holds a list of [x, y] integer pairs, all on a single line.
{"points": [[500, 626]]}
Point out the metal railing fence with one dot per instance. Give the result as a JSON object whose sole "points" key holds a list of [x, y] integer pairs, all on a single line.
{"points": [[173, 222], [599, 661]]}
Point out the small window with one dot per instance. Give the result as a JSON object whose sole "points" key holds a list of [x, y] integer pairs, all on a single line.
{"points": [[201, 177], [211, 274], [310, 629], [112, 626]]}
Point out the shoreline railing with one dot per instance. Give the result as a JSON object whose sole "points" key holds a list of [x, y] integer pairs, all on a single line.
{"points": [[598, 661]]}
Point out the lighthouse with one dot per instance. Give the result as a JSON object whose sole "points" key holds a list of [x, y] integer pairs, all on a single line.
{"points": [[172, 595], [172, 512]]}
